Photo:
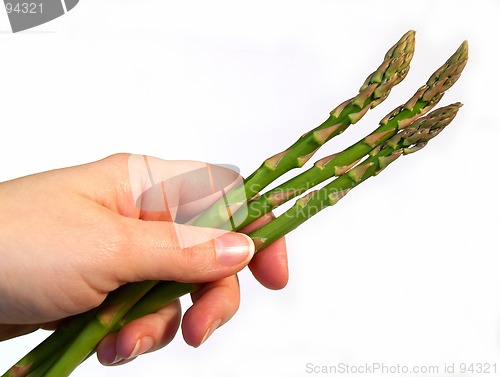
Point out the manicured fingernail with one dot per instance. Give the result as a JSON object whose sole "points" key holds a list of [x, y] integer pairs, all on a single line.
{"points": [[211, 330], [143, 345], [233, 248]]}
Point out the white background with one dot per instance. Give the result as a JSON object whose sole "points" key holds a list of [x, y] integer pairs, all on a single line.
{"points": [[403, 270]]}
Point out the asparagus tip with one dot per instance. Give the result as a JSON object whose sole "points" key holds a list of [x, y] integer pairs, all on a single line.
{"points": [[391, 72], [451, 70], [418, 134]]}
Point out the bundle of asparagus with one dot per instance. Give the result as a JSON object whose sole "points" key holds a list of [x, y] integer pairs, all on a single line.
{"points": [[405, 130]]}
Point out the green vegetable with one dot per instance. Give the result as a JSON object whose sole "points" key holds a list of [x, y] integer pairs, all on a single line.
{"points": [[405, 130], [335, 165], [412, 138]]}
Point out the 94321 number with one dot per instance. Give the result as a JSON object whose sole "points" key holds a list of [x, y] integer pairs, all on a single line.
{"points": [[24, 8]]}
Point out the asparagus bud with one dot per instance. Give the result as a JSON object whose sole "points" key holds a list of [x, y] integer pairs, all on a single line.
{"points": [[335, 165], [414, 137], [376, 89]]}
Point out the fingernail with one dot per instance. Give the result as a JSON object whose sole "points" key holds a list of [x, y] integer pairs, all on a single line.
{"points": [[211, 330], [107, 352], [116, 360], [143, 345], [111, 360], [233, 248]]}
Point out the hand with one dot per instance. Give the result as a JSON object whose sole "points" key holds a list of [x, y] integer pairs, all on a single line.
{"points": [[71, 236]]}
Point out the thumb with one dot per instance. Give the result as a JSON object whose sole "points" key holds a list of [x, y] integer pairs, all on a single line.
{"points": [[158, 250]]}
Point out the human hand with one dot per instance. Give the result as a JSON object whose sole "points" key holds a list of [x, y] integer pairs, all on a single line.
{"points": [[71, 236]]}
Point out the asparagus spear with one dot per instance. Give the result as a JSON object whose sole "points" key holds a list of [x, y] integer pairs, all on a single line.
{"points": [[411, 139], [102, 323], [162, 294], [420, 103], [49, 347], [158, 297], [374, 91]]}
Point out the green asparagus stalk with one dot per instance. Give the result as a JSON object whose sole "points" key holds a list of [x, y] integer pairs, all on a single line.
{"points": [[45, 350], [46, 363], [411, 139], [374, 91], [335, 165], [108, 313], [158, 297], [102, 323]]}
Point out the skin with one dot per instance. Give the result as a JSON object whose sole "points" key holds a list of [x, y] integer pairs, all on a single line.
{"points": [[71, 236]]}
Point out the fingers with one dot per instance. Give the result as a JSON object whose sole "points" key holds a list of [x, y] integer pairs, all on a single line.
{"points": [[146, 334], [214, 304], [153, 250], [270, 265]]}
